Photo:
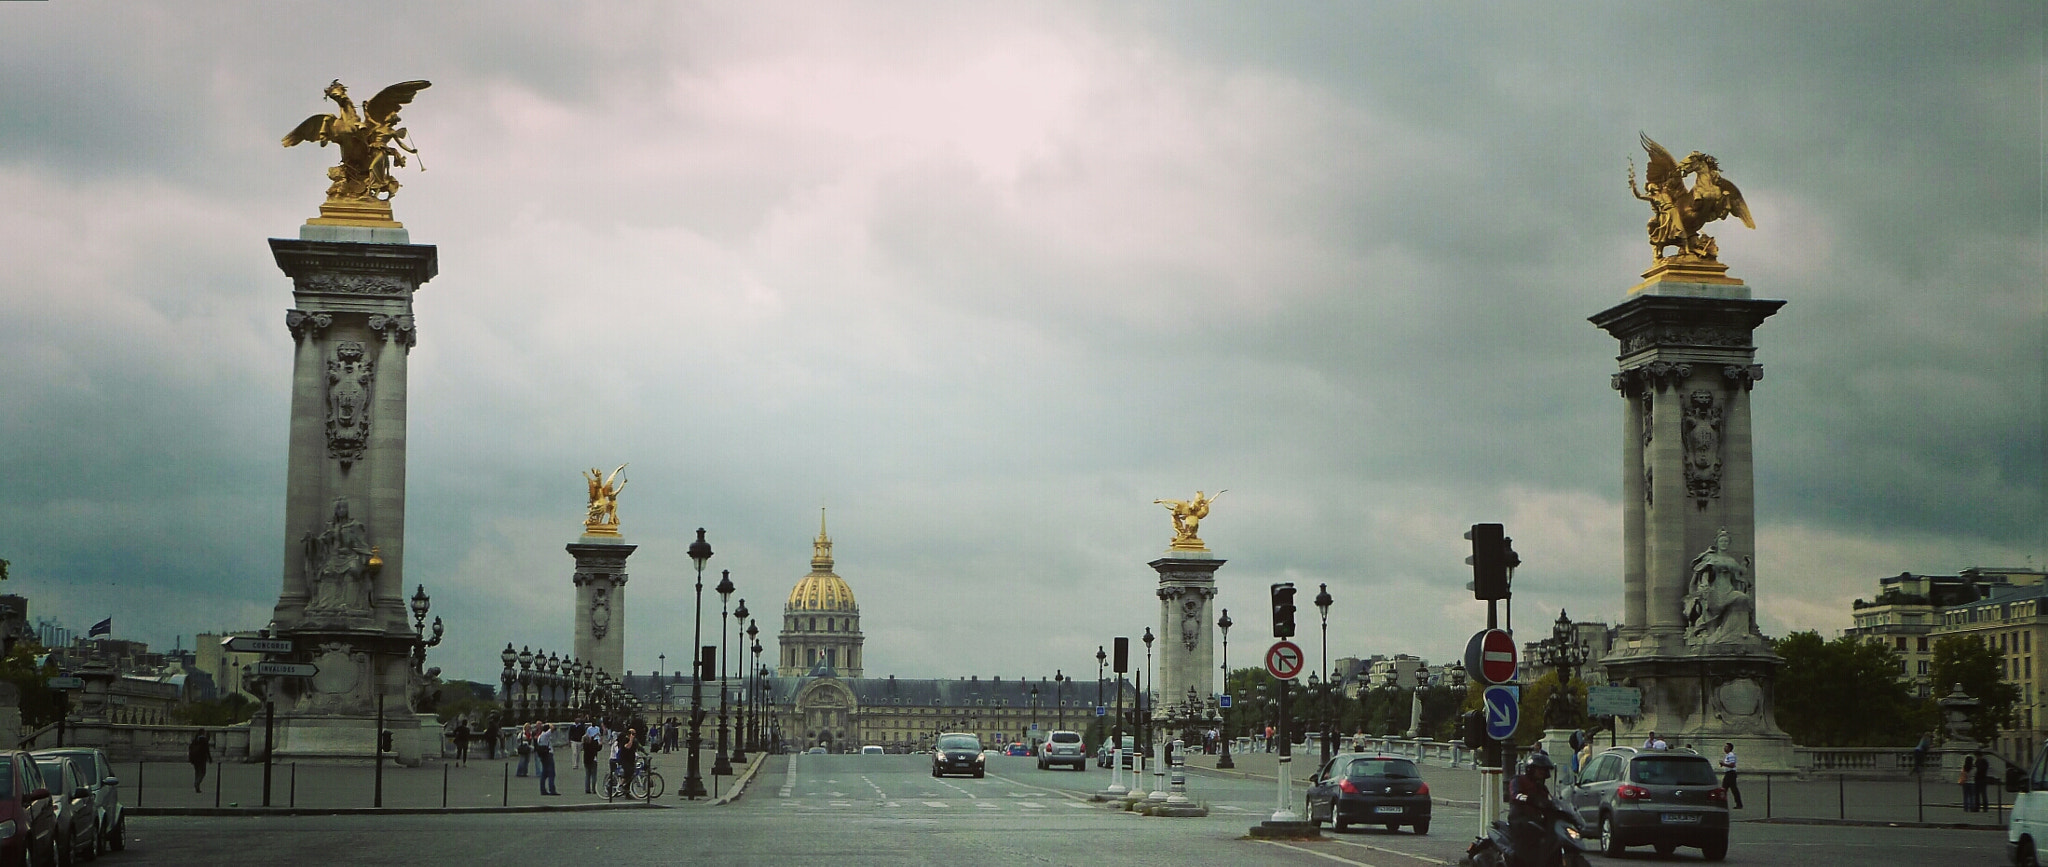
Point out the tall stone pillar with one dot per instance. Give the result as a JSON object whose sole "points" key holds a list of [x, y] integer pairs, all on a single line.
{"points": [[1187, 657], [343, 600], [1689, 639], [600, 580]]}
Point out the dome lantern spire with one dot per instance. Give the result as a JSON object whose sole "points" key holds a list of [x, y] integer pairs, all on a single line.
{"points": [[821, 548]]}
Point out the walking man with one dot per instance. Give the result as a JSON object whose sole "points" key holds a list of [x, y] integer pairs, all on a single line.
{"points": [[1728, 775], [200, 754], [544, 749], [462, 741]]}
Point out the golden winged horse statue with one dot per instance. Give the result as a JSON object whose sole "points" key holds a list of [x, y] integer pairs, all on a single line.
{"points": [[371, 141], [1677, 213]]}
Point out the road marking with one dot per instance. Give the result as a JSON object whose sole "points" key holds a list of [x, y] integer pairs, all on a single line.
{"points": [[1308, 851], [1384, 851], [939, 804], [1032, 805]]}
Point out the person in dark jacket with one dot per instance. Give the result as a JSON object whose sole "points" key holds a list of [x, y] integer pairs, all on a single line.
{"points": [[1982, 781], [200, 754]]}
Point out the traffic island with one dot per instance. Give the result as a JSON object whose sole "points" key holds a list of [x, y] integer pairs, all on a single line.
{"points": [[1272, 830]]}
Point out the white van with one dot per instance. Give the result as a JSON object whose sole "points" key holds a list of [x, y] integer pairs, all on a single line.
{"points": [[871, 750], [2029, 826]]}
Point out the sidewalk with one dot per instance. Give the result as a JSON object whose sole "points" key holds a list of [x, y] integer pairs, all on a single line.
{"points": [[165, 788]]}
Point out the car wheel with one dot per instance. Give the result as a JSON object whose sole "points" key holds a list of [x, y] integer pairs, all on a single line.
{"points": [[1309, 807], [1610, 843], [1337, 823], [978, 774], [120, 841], [1664, 850], [2022, 857], [65, 858], [936, 774], [1718, 849], [1422, 828]]}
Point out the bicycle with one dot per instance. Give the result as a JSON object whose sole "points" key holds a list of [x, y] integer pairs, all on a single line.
{"points": [[645, 784]]}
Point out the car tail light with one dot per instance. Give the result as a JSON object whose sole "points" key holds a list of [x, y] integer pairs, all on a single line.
{"points": [[1348, 787], [1718, 795], [1422, 790], [1632, 793]]}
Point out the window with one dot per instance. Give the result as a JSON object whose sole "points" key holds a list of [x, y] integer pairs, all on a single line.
{"points": [[1902, 642], [1920, 644], [1923, 667]]}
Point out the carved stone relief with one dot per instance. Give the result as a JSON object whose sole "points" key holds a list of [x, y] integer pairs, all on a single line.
{"points": [[351, 284], [349, 378], [339, 564], [600, 612], [394, 329], [303, 324], [1702, 447]]}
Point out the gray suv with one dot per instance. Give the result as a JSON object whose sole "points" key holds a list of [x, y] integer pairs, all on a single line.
{"points": [[1660, 798], [1063, 748]]}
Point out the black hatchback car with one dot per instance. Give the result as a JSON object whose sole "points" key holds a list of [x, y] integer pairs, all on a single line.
{"points": [[1659, 798], [958, 753], [1362, 789]]}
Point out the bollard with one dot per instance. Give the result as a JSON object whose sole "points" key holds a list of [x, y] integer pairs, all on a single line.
{"points": [[1841, 796], [444, 785], [217, 766], [1179, 777], [138, 782], [505, 797], [294, 796]]}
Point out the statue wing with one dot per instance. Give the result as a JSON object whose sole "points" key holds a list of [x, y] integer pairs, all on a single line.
{"points": [[314, 128], [383, 108], [1736, 205], [1662, 167]]}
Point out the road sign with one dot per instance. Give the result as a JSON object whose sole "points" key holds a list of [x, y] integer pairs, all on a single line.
{"points": [[67, 683], [1614, 701], [1285, 660], [247, 644], [1490, 656], [1503, 710], [286, 669], [1102, 710], [1223, 701]]}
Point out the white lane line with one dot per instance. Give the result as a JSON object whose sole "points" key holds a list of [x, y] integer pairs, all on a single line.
{"points": [[1383, 850], [1306, 850], [939, 804], [788, 777]]}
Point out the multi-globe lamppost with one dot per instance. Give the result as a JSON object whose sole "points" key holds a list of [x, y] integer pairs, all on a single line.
{"points": [[1223, 623], [693, 782]]}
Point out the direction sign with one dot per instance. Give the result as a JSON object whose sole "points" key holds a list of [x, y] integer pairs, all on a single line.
{"points": [[1223, 701], [1503, 710], [1102, 710], [248, 644], [67, 683], [1614, 701], [286, 669], [1490, 656], [1285, 660]]}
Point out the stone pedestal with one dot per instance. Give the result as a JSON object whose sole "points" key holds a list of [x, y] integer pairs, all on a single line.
{"points": [[1689, 584], [343, 600], [600, 580], [1187, 657]]}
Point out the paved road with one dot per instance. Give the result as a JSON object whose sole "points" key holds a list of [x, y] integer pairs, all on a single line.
{"points": [[888, 810]]}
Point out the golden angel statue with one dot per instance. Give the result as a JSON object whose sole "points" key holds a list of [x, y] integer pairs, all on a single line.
{"points": [[1677, 213], [604, 500], [370, 141], [1187, 520]]}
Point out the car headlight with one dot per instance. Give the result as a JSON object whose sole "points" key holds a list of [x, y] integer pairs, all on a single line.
{"points": [[8, 828], [1572, 833], [981, 757]]}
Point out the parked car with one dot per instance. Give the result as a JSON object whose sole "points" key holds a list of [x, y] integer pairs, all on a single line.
{"points": [[1361, 789], [1660, 798], [28, 815], [78, 831], [2028, 828], [106, 794], [872, 750], [1063, 748], [1130, 749], [815, 751], [958, 753]]}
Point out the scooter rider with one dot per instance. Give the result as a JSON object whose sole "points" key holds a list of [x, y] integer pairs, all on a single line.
{"points": [[1530, 811]]}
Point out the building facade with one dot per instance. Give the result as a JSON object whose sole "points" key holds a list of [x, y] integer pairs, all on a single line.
{"points": [[820, 622]]}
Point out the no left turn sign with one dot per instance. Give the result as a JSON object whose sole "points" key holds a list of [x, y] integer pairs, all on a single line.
{"points": [[1284, 660]]}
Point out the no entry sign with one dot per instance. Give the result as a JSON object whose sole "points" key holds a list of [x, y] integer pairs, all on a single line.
{"points": [[1284, 660], [1490, 656]]}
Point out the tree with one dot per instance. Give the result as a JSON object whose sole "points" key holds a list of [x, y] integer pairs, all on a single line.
{"points": [[1536, 701], [1967, 661], [1846, 693]]}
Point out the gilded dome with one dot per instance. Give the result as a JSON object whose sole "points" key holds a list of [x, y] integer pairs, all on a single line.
{"points": [[821, 590]]}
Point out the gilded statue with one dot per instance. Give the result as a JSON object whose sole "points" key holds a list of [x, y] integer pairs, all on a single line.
{"points": [[1678, 212], [603, 513], [1187, 519], [371, 141]]}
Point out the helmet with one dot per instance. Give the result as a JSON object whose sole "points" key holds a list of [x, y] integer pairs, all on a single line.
{"points": [[1541, 760]]}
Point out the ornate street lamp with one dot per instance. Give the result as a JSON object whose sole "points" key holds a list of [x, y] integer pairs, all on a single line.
{"points": [[509, 656], [1563, 653], [1059, 697], [1223, 623], [1034, 717], [525, 682], [1100, 657], [693, 783], [1144, 722], [721, 765], [1323, 601], [753, 720]]}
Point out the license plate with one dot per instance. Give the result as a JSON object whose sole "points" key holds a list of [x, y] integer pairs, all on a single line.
{"points": [[1681, 818], [1386, 809]]}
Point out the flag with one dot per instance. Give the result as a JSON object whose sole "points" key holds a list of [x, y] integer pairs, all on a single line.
{"points": [[104, 627]]}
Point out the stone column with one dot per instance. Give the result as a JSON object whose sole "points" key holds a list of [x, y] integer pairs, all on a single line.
{"points": [[600, 580], [1187, 590], [342, 600]]}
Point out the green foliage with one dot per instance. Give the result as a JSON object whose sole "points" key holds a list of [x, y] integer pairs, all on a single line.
{"points": [[38, 700], [1846, 693], [1536, 703], [477, 709], [1971, 663]]}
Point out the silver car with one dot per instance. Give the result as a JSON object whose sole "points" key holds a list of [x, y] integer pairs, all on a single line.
{"points": [[78, 834], [106, 794], [1063, 748]]}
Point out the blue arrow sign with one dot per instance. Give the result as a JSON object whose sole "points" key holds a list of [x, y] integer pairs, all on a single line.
{"points": [[1503, 710]]}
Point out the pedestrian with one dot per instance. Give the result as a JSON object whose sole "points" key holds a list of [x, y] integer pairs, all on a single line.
{"points": [[525, 748], [592, 742], [462, 741], [1969, 784], [629, 746], [1728, 775], [491, 739], [1983, 782], [669, 735], [544, 750], [1653, 742], [576, 737], [200, 754]]}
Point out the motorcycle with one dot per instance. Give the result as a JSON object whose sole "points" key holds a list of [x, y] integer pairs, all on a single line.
{"points": [[1564, 846]]}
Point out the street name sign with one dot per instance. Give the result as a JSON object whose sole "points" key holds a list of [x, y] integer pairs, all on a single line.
{"points": [[247, 644], [1614, 701], [1490, 656], [286, 669], [67, 683], [1503, 711], [1285, 660]]}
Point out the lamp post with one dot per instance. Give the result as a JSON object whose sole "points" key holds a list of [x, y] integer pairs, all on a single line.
{"points": [[1100, 660], [745, 738], [1563, 653], [693, 783], [1034, 717], [508, 656], [1059, 697], [421, 603], [721, 765], [1223, 623], [1323, 601], [525, 682], [739, 751], [1144, 705]]}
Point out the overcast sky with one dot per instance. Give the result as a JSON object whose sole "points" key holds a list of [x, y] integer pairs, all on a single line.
{"points": [[985, 280]]}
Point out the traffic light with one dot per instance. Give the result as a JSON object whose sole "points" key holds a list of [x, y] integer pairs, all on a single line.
{"points": [[1490, 553], [384, 741], [1474, 728], [1283, 610], [1122, 662], [707, 663]]}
